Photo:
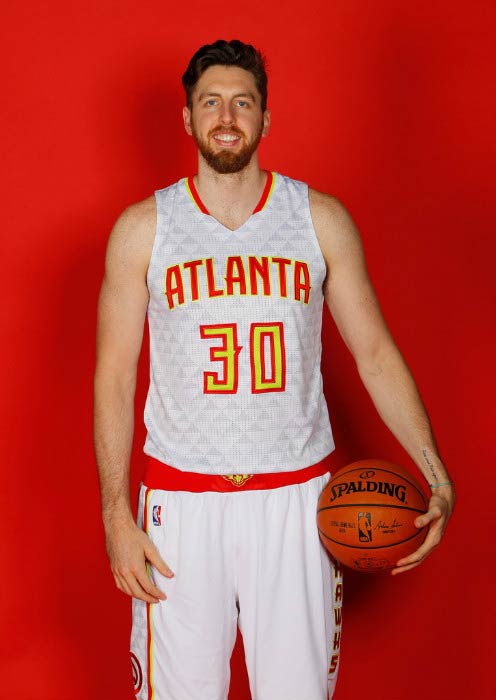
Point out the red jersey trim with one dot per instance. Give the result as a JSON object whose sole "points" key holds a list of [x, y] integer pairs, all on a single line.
{"points": [[267, 191], [269, 184], [190, 186]]}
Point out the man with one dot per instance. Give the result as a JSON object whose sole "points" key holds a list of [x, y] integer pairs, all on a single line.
{"points": [[232, 266]]}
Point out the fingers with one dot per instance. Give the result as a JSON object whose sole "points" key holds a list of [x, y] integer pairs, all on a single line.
{"points": [[121, 584], [149, 587], [156, 560], [433, 539], [434, 513], [400, 570], [138, 585], [411, 561], [129, 550]]}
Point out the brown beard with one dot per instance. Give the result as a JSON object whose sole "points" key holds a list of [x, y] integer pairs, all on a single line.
{"points": [[226, 161]]}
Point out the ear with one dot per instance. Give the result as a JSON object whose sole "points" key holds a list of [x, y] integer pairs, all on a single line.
{"points": [[187, 120], [266, 122]]}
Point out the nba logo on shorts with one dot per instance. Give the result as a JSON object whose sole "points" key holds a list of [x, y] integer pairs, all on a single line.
{"points": [[156, 515]]}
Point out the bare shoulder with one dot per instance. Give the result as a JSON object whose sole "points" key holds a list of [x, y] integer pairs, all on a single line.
{"points": [[131, 240], [336, 231]]}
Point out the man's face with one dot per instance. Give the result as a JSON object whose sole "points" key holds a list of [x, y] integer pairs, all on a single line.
{"points": [[226, 120]]}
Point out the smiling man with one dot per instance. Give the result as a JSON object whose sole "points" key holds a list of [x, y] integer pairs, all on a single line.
{"points": [[234, 152], [232, 266]]}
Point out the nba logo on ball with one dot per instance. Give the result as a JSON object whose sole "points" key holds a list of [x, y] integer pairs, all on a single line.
{"points": [[366, 515], [156, 515], [365, 527]]}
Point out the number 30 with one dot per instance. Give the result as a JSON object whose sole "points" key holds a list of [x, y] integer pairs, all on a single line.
{"points": [[263, 378]]}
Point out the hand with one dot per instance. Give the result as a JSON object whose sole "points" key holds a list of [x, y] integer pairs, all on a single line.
{"points": [[129, 548], [440, 508]]}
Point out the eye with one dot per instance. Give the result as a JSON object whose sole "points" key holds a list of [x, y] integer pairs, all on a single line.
{"points": [[242, 103], [211, 102]]}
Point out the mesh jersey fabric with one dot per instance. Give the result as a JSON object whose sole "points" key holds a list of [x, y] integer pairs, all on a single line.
{"points": [[235, 322]]}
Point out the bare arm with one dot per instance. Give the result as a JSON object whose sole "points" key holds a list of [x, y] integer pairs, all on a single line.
{"points": [[121, 314], [353, 304]]}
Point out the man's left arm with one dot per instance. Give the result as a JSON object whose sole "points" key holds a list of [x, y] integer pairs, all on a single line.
{"points": [[354, 306]]}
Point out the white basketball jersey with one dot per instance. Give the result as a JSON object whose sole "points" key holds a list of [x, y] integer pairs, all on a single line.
{"points": [[235, 335]]}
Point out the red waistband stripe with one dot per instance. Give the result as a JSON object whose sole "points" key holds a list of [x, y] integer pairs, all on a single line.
{"points": [[159, 475]]}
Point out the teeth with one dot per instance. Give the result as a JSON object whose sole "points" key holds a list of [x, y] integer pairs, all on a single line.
{"points": [[226, 137]]}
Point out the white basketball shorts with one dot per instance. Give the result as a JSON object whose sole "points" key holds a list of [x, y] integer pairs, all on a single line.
{"points": [[251, 559]]}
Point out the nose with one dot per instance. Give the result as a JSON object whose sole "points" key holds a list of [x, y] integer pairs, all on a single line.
{"points": [[226, 115]]}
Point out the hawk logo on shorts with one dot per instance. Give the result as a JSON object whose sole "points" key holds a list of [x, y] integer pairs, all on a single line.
{"points": [[237, 479], [137, 673], [156, 515]]}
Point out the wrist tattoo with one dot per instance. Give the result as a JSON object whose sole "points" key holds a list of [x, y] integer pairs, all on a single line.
{"points": [[430, 465]]}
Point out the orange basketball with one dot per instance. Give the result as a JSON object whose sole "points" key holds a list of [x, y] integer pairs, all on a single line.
{"points": [[366, 514]]}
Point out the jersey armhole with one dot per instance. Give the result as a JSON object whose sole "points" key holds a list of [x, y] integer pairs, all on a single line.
{"points": [[314, 237], [164, 200]]}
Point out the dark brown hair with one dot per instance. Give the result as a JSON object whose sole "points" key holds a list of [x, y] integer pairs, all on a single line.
{"points": [[226, 53]]}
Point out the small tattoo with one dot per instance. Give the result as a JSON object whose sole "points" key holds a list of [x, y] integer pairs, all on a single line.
{"points": [[430, 465]]}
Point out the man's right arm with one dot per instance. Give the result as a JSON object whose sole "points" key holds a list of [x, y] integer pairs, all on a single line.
{"points": [[121, 315]]}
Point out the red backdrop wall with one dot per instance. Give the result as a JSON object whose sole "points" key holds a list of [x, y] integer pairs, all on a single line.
{"points": [[387, 105]]}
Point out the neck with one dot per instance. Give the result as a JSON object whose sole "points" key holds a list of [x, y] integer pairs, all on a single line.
{"points": [[236, 190]]}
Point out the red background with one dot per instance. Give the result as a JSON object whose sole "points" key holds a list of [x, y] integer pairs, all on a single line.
{"points": [[389, 107]]}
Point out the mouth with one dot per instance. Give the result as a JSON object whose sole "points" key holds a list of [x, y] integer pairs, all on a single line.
{"points": [[226, 139]]}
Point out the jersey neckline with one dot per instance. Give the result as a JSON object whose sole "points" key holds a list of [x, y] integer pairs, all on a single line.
{"points": [[262, 203]]}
